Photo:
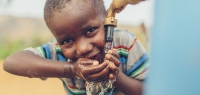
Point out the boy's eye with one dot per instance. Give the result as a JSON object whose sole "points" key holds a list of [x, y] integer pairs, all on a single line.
{"points": [[67, 41], [90, 31]]}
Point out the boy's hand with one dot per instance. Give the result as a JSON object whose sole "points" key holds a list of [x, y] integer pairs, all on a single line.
{"points": [[114, 63], [90, 70]]}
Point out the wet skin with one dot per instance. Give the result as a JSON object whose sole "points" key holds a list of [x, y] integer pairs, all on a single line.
{"points": [[80, 34]]}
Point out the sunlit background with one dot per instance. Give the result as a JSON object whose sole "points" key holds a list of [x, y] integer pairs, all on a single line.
{"points": [[22, 26]]}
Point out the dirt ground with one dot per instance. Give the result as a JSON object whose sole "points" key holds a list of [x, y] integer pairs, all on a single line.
{"points": [[17, 85]]}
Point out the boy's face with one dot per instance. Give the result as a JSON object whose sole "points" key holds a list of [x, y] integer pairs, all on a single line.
{"points": [[79, 32]]}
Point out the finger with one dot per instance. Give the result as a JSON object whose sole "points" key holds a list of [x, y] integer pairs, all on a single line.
{"points": [[99, 79], [113, 59], [100, 75], [112, 76], [95, 62], [88, 70], [113, 68], [102, 79], [84, 61], [114, 53], [88, 62]]}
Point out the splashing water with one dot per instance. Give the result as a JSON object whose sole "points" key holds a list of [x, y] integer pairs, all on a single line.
{"points": [[99, 88], [108, 46]]}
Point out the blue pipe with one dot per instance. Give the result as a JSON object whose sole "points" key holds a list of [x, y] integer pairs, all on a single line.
{"points": [[175, 49]]}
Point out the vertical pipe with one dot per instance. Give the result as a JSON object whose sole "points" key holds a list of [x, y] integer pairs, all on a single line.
{"points": [[109, 37], [175, 49]]}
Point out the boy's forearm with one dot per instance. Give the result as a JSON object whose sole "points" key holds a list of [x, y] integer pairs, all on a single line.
{"points": [[25, 63], [128, 85]]}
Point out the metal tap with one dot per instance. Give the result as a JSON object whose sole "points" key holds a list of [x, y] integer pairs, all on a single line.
{"points": [[110, 22]]}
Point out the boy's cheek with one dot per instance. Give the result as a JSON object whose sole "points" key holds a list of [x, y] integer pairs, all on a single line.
{"points": [[68, 54]]}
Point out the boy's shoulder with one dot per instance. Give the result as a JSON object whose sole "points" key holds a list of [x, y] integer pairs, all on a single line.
{"points": [[121, 32], [123, 37]]}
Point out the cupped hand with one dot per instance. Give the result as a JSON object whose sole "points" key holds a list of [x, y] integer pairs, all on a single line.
{"points": [[114, 63], [90, 70]]}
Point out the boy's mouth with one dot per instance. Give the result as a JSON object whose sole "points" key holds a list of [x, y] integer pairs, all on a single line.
{"points": [[97, 57]]}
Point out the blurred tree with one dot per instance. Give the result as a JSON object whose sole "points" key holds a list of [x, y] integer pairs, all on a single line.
{"points": [[5, 3]]}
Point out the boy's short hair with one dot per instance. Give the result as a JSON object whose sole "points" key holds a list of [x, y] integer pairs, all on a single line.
{"points": [[52, 6]]}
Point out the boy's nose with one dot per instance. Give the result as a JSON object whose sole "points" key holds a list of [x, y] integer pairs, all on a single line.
{"points": [[84, 47]]}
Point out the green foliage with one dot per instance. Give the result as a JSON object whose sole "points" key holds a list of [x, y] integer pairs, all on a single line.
{"points": [[5, 3], [18, 33], [36, 40], [7, 47]]}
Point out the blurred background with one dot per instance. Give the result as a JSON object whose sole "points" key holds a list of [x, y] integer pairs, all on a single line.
{"points": [[22, 26]]}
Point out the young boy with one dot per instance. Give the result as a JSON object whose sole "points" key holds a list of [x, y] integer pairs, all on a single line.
{"points": [[77, 54]]}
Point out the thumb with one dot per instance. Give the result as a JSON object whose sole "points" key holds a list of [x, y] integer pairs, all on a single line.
{"points": [[95, 62], [88, 62]]}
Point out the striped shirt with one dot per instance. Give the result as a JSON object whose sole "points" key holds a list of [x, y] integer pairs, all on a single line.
{"points": [[133, 57]]}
